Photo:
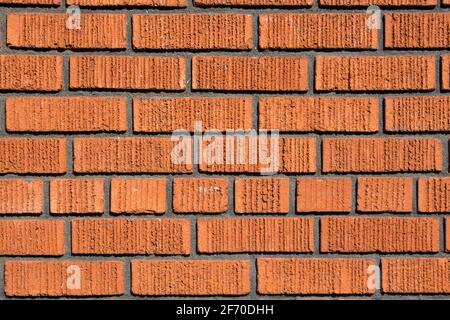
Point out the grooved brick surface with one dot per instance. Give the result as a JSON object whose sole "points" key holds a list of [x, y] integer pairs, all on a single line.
{"points": [[387, 3], [434, 195], [251, 3], [131, 3], [19, 196], [447, 235], [31, 2], [445, 73]]}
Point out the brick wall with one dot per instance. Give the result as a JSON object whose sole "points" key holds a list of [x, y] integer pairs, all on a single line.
{"points": [[93, 204]]}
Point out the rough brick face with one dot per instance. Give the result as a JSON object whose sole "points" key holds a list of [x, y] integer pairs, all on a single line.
{"points": [[21, 197], [128, 3], [191, 278], [386, 3], [32, 2], [251, 3], [445, 73], [434, 195], [447, 235]]}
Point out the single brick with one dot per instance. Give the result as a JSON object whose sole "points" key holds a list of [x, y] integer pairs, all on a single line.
{"points": [[324, 195], [66, 114], [169, 114], [384, 3], [261, 195], [445, 73], [21, 196], [128, 3], [318, 114], [447, 235], [258, 154], [249, 3], [58, 278], [31, 238], [417, 114], [413, 276], [76, 196], [347, 155], [316, 31], [125, 237], [273, 74], [417, 31], [434, 195], [380, 73], [255, 235], [32, 2], [138, 196], [32, 156], [193, 31], [127, 73], [200, 195], [95, 31], [132, 155], [190, 278], [306, 276], [379, 235], [385, 194], [30, 73]]}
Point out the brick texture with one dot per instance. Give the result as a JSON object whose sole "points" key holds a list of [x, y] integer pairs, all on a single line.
{"points": [[434, 195], [21, 197], [31, 2], [385, 3], [251, 3], [131, 3], [445, 73]]}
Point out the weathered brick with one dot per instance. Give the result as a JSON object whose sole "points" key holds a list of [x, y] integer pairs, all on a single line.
{"points": [[247, 235], [447, 235], [379, 235], [445, 73], [384, 3], [249, 3], [190, 278], [434, 195], [128, 3], [21, 196], [31, 2]]}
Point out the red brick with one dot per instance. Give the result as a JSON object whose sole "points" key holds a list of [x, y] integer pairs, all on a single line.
{"points": [[128, 155], [417, 114], [190, 278], [32, 155], [55, 278], [417, 31], [193, 31], [31, 2], [249, 3], [324, 195], [169, 114], [346, 155], [385, 194], [128, 3], [124, 237], [261, 195], [259, 235], [380, 73], [379, 235], [30, 73], [200, 195], [434, 195], [447, 235], [446, 3], [21, 196], [127, 73], [76, 196], [254, 73], [413, 276], [308, 276], [316, 31], [445, 73], [65, 114], [138, 196], [31, 238], [318, 114], [97, 31], [384, 3]]}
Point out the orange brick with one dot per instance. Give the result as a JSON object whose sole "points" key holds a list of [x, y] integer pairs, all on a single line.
{"points": [[424, 275], [21, 196], [247, 235], [129, 155], [318, 114], [259, 195], [96, 31], [32, 2], [314, 276], [65, 114], [384, 3], [138, 196], [445, 73], [243, 154], [348, 155], [447, 235], [124, 236], [249, 3], [417, 31], [127, 72], [170, 114], [76, 196], [31, 73], [379, 235], [417, 114], [190, 278], [250, 73], [31, 238], [385, 194], [192, 31], [380, 73], [56, 278], [32, 155], [445, 3], [199, 195], [316, 31], [324, 195], [434, 195], [128, 3]]}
